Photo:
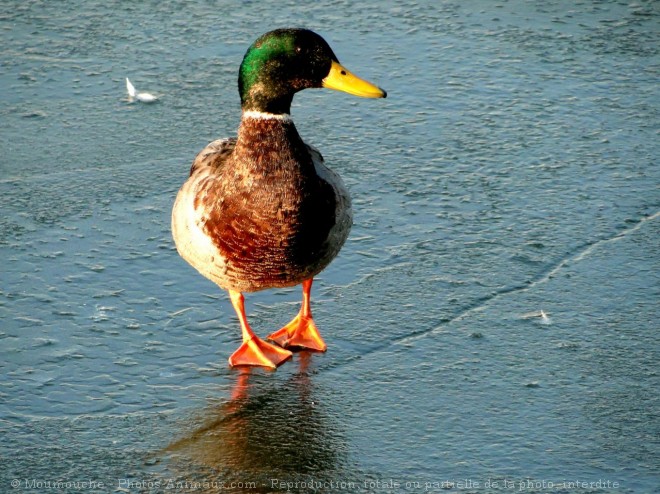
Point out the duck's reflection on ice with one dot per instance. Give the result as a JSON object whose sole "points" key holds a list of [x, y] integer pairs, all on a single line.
{"points": [[262, 438]]}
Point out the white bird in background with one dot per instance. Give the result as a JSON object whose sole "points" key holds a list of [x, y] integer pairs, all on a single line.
{"points": [[134, 95], [545, 319]]}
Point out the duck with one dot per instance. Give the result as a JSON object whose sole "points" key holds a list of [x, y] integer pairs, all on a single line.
{"points": [[261, 210]]}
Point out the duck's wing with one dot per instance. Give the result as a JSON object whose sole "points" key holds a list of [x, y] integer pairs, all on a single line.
{"points": [[317, 157], [342, 197], [213, 155], [343, 214]]}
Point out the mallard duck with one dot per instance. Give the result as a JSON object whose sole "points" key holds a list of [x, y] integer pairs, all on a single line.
{"points": [[261, 210]]}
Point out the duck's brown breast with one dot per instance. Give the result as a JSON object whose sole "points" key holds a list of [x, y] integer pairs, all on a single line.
{"points": [[270, 230], [272, 218]]}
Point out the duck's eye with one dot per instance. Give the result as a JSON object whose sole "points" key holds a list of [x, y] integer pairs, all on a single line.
{"points": [[298, 49]]}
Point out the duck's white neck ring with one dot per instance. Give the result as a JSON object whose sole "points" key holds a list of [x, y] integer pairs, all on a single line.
{"points": [[260, 115]]}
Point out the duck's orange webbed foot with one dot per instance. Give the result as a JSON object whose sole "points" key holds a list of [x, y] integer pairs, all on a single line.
{"points": [[254, 350], [301, 332]]}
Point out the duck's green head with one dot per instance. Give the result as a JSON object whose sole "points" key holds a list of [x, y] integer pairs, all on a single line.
{"points": [[285, 61]]}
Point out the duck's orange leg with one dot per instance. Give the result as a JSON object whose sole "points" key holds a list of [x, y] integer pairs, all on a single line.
{"points": [[254, 351], [301, 332]]}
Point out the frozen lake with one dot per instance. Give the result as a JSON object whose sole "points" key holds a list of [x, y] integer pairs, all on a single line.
{"points": [[512, 169]]}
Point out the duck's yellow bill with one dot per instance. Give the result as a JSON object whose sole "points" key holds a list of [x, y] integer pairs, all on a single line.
{"points": [[341, 79]]}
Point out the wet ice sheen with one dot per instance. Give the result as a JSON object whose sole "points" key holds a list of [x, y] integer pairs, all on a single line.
{"points": [[511, 170]]}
